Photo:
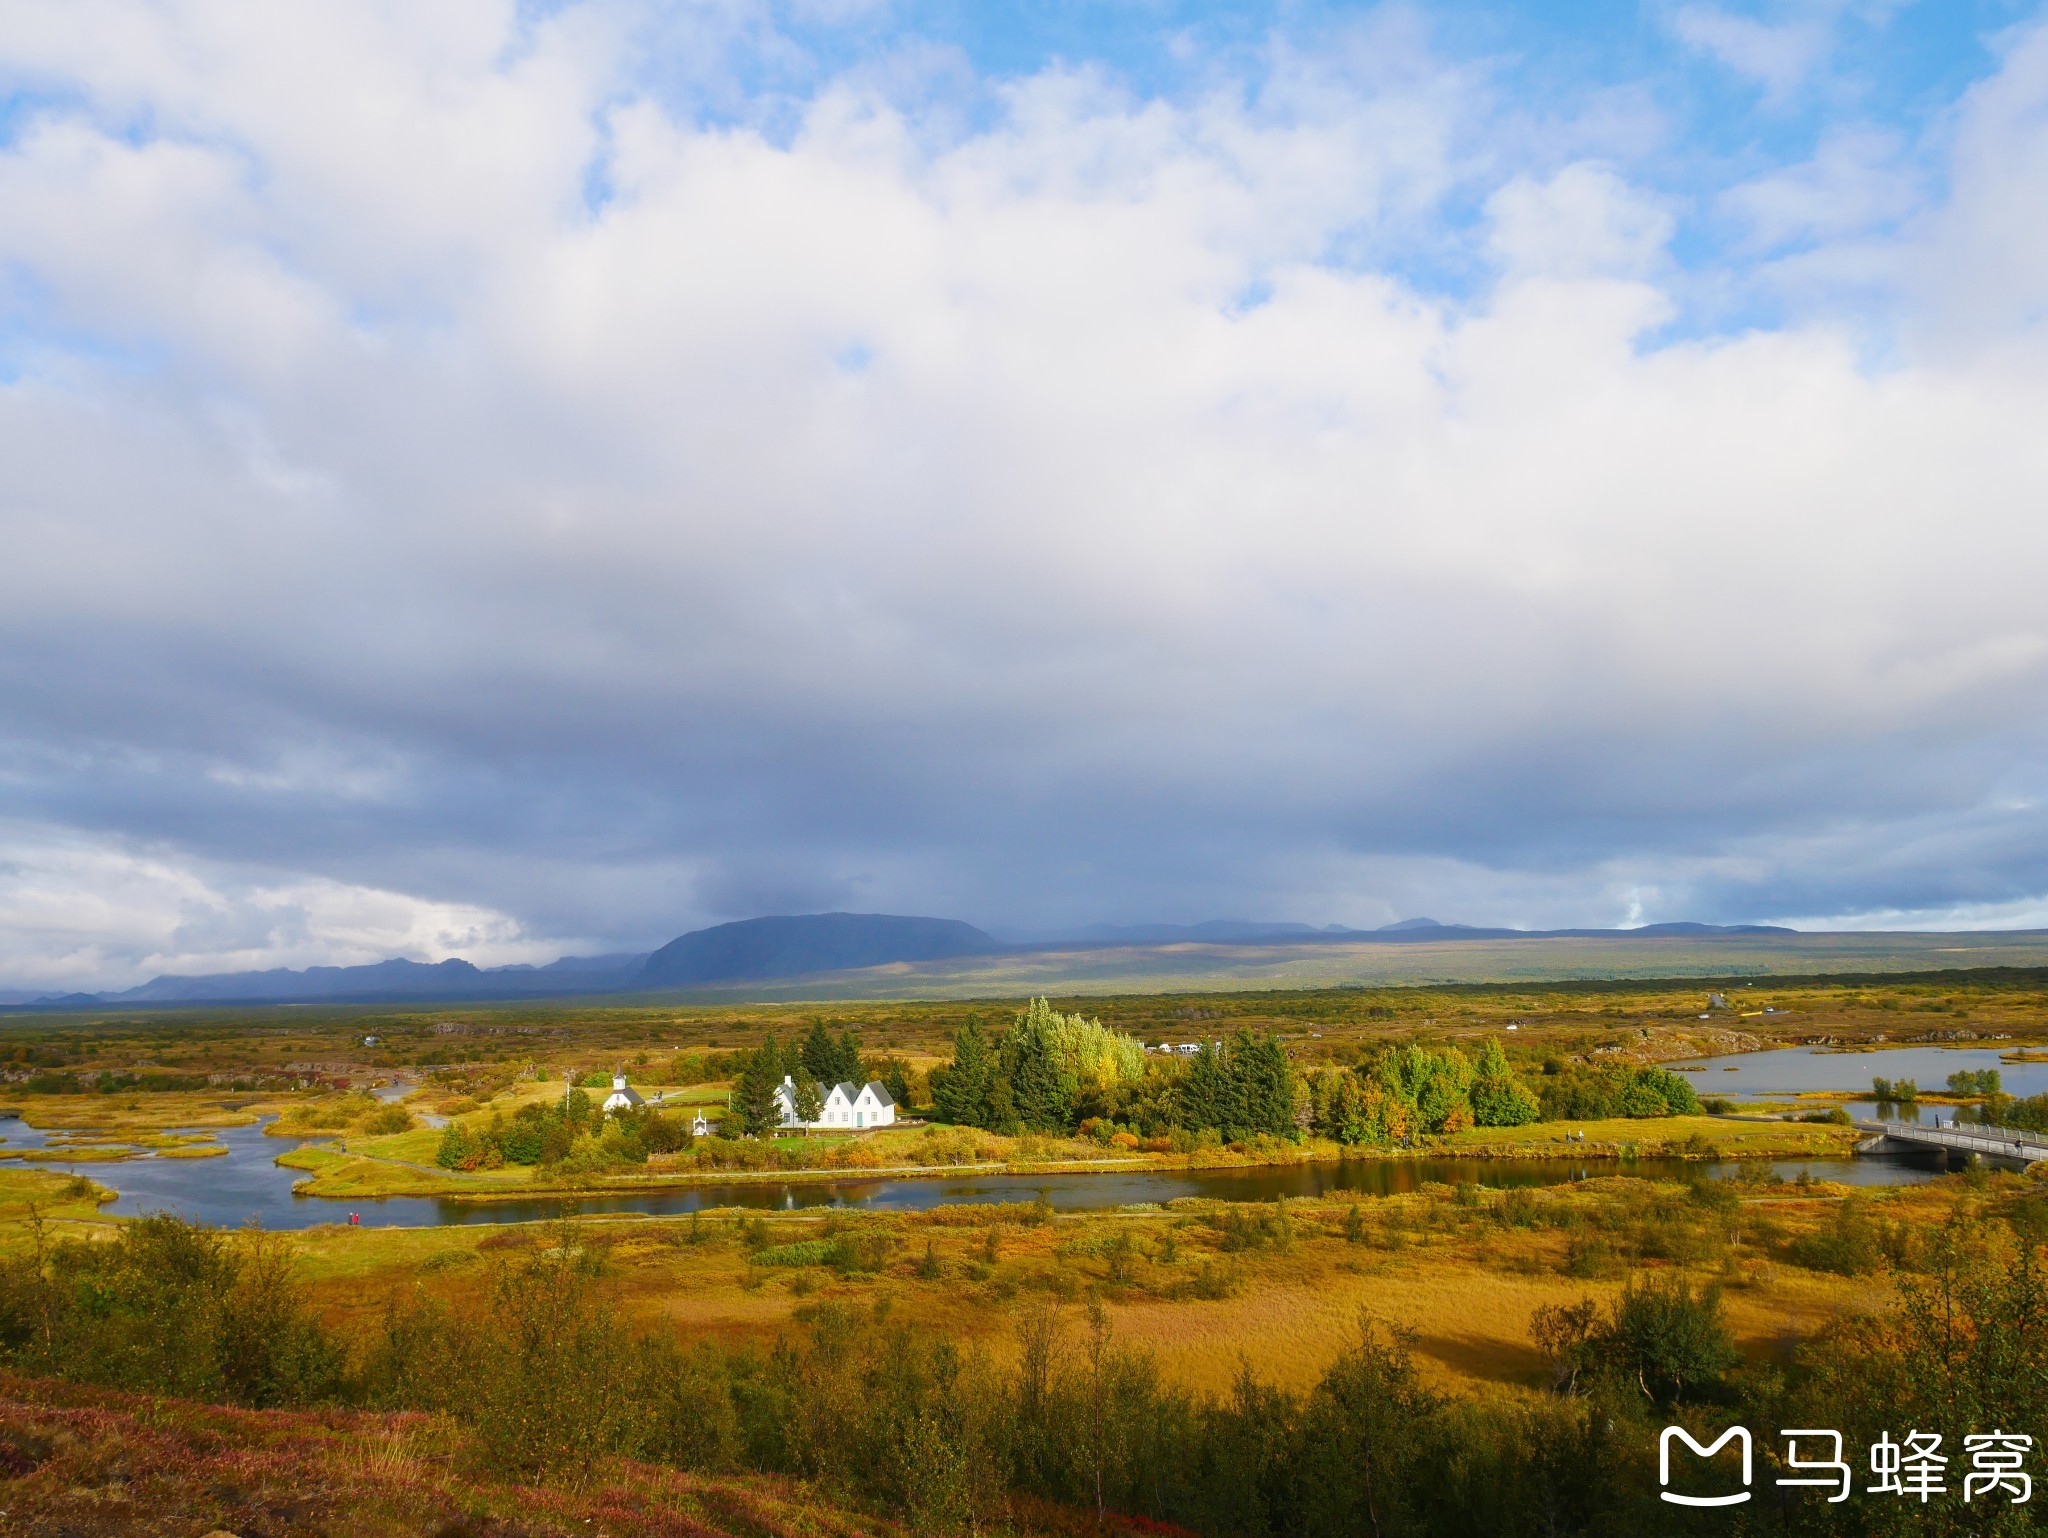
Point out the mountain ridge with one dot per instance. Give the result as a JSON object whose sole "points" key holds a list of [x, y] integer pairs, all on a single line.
{"points": [[775, 948]]}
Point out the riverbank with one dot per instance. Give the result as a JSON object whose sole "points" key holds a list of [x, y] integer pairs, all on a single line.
{"points": [[366, 1169]]}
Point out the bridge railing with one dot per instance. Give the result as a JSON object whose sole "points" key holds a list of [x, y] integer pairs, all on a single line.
{"points": [[2012, 1146]]}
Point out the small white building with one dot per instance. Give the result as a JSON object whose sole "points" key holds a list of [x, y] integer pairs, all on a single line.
{"points": [[623, 1096], [700, 1125], [848, 1107]]}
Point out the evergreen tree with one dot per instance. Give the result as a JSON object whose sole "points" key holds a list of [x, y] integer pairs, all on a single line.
{"points": [[896, 1080], [1258, 1087], [847, 1064], [1002, 1106], [960, 1090], [753, 1094], [821, 1054], [1201, 1089], [1042, 1093]]}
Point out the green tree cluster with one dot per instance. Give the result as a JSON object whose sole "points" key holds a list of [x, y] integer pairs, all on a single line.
{"points": [[1598, 1093], [1419, 1090], [1243, 1087], [548, 1133], [829, 1060], [1046, 1072]]}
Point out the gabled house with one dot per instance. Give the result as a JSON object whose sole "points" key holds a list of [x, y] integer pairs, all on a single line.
{"points": [[848, 1107]]}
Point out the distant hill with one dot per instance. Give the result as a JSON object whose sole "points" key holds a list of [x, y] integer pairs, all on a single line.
{"points": [[376, 982], [795, 945]]}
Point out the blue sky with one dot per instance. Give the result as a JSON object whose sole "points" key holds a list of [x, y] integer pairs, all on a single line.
{"points": [[494, 480]]}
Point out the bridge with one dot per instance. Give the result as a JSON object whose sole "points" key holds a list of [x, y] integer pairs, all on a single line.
{"points": [[1992, 1142]]}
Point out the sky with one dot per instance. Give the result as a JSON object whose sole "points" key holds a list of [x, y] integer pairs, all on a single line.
{"points": [[499, 480]]}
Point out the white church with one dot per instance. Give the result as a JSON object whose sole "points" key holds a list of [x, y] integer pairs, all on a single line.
{"points": [[849, 1106]]}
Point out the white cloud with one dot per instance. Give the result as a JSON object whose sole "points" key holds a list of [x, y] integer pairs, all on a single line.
{"points": [[1583, 222], [1852, 185], [1777, 56], [81, 912]]}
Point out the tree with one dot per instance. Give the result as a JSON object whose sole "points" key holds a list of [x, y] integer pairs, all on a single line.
{"points": [[1365, 1435], [1499, 1099], [846, 1065], [896, 1080], [753, 1093], [1041, 1093], [1665, 1339], [960, 1090], [821, 1054], [1201, 1088], [1262, 1087], [809, 1099]]}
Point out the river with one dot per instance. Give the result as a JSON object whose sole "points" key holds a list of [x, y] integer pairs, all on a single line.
{"points": [[245, 1185]]}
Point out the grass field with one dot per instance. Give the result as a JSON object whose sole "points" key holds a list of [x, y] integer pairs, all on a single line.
{"points": [[1308, 964], [1463, 1273]]}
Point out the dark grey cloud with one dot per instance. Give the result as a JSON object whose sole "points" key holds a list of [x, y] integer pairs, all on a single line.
{"points": [[407, 555]]}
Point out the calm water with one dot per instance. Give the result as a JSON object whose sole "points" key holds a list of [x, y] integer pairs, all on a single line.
{"points": [[1773, 1075], [245, 1184]]}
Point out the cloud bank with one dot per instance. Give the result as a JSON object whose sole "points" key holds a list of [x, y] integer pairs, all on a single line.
{"points": [[487, 480]]}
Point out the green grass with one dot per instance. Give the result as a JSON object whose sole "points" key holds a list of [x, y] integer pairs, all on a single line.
{"points": [[418, 1146]]}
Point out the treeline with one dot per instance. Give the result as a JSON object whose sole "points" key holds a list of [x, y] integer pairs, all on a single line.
{"points": [[546, 1381], [1061, 1073]]}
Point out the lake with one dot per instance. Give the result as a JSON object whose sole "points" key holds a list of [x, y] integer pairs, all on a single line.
{"points": [[245, 1185], [1792, 1070]]}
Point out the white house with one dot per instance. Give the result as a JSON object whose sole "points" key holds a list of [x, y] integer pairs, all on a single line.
{"points": [[623, 1097], [851, 1106]]}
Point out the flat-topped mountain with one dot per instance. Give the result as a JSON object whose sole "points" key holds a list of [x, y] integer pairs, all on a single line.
{"points": [[794, 945]]}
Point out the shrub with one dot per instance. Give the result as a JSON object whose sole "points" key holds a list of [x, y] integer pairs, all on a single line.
{"points": [[1589, 1256], [807, 1252], [388, 1119], [1665, 1340], [1851, 1245]]}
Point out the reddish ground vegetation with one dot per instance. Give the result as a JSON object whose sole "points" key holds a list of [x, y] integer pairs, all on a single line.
{"points": [[77, 1461]]}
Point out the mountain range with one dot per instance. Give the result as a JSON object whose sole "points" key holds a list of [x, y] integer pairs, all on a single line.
{"points": [[777, 947]]}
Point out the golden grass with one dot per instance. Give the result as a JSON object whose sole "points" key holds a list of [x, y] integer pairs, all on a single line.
{"points": [[146, 1112], [1661, 1137], [1460, 1282]]}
